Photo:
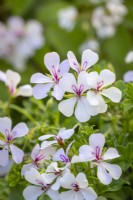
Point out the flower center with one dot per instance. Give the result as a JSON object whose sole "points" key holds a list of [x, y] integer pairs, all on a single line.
{"points": [[39, 158], [97, 152], [75, 186], [78, 91], [55, 74], [84, 66], [59, 140], [99, 85], [64, 159], [9, 136], [42, 184]]}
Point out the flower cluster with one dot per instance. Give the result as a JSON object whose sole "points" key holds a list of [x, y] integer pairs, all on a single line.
{"points": [[105, 19], [19, 40], [84, 92]]}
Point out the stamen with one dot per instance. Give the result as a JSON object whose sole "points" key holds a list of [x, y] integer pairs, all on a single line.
{"points": [[97, 152], [55, 75], [76, 187], [64, 159], [78, 91], [99, 85], [84, 66]]}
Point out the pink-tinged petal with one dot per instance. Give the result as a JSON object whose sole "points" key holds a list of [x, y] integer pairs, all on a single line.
{"points": [[97, 140], [13, 78], [35, 151], [67, 195], [66, 134], [54, 195], [2, 76], [103, 175], [51, 60], [111, 153], [32, 192], [92, 80], [113, 170], [40, 78], [82, 113], [93, 98], [82, 181], [45, 137], [19, 130], [63, 68], [58, 92], [26, 168], [4, 157], [89, 58], [107, 76], [73, 61], [66, 107], [67, 81], [5, 125], [82, 80], [89, 194], [113, 93], [40, 91], [67, 180], [25, 91], [17, 154]]}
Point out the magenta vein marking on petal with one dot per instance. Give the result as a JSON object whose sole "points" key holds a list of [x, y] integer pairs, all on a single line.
{"points": [[75, 186], [55, 74], [99, 85], [8, 135], [64, 159], [78, 91], [97, 152], [84, 66]]}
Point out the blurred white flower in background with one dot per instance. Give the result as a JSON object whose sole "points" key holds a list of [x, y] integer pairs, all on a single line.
{"points": [[105, 19], [67, 18], [129, 57], [128, 76], [20, 40], [89, 44]]}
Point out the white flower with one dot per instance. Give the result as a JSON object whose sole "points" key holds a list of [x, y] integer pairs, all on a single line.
{"points": [[67, 18], [89, 44], [39, 185], [19, 130], [38, 157], [11, 80], [89, 58], [45, 83], [59, 138], [128, 76], [93, 152], [78, 100], [97, 84], [78, 188], [129, 57]]}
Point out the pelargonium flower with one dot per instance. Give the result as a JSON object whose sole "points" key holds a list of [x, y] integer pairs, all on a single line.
{"points": [[54, 172], [11, 80], [78, 100], [59, 138], [89, 58], [129, 57], [128, 76], [93, 153], [40, 185], [38, 157], [78, 188], [45, 83], [19, 130], [97, 87]]}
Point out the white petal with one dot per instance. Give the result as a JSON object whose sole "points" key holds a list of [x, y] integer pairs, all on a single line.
{"points": [[32, 175], [40, 90], [56, 185], [17, 154], [13, 78], [35, 151], [2, 76], [66, 134], [40, 78], [52, 167], [92, 80], [63, 68], [129, 57], [103, 175], [25, 91], [82, 80], [97, 139], [67, 81], [66, 107], [67, 195], [58, 92], [113, 93], [51, 60], [101, 108], [114, 170], [82, 110], [77, 159], [54, 195], [111, 153], [5, 124], [82, 181], [4, 157], [20, 130], [89, 58], [128, 76], [45, 137], [26, 168], [47, 152], [32, 192], [89, 193], [67, 180], [47, 144], [57, 156], [93, 98], [107, 76], [73, 61]]}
